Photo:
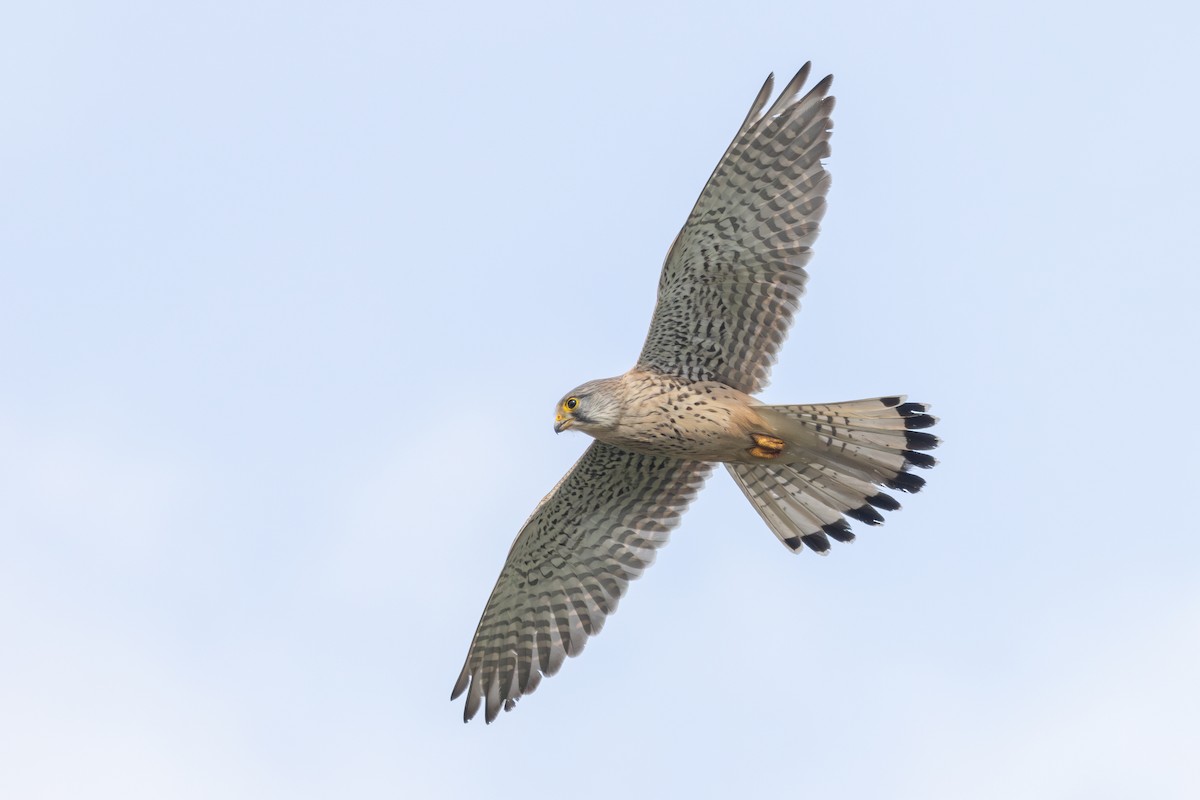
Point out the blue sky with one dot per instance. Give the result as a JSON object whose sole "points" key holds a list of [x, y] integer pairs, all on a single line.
{"points": [[288, 292]]}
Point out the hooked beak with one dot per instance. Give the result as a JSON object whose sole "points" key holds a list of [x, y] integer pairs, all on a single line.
{"points": [[562, 423]]}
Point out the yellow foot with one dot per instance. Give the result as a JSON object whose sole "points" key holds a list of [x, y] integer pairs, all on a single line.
{"points": [[765, 446]]}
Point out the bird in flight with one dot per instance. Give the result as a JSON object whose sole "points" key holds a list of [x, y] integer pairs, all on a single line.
{"points": [[730, 285]]}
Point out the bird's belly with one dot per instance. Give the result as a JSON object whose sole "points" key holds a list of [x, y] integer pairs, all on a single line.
{"points": [[701, 421]]}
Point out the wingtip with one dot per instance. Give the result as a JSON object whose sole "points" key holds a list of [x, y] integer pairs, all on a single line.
{"points": [[906, 482], [918, 459], [764, 94], [801, 76], [822, 86], [460, 685]]}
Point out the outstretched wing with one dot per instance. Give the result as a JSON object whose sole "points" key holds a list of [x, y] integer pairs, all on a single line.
{"points": [[734, 275], [597, 530]]}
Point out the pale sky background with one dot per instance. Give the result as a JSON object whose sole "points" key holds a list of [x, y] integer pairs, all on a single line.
{"points": [[288, 292]]}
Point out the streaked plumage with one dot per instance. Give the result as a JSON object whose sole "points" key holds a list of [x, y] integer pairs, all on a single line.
{"points": [[729, 288]]}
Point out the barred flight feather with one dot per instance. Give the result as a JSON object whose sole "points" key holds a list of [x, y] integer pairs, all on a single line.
{"points": [[570, 564], [738, 262]]}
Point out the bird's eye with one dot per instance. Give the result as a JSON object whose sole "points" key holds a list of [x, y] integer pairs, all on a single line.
{"points": [[571, 403]]}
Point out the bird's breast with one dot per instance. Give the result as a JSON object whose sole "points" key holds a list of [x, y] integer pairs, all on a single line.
{"points": [[704, 421]]}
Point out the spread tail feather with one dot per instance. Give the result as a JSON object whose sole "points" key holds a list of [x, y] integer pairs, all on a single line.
{"points": [[836, 457]]}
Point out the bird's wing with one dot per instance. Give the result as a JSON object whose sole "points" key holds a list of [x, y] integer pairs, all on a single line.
{"points": [[570, 564], [733, 277]]}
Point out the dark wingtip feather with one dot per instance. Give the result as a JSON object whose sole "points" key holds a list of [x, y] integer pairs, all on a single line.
{"points": [[801, 76], [839, 530], [906, 482], [865, 514], [461, 684], [793, 542], [891, 401], [821, 87], [915, 416], [817, 542], [916, 459], [884, 501], [917, 440]]}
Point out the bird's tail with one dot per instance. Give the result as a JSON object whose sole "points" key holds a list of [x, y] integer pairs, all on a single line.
{"points": [[833, 460]]}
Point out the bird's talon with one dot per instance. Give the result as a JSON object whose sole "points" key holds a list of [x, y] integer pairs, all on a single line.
{"points": [[766, 446]]}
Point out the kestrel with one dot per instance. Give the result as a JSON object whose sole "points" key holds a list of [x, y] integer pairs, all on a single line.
{"points": [[730, 284]]}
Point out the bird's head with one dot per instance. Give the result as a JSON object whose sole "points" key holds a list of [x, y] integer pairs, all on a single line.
{"points": [[592, 408]]}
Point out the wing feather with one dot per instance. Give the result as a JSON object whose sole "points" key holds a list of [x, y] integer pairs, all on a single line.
{"points": [[733, 278], [598, 529]]}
